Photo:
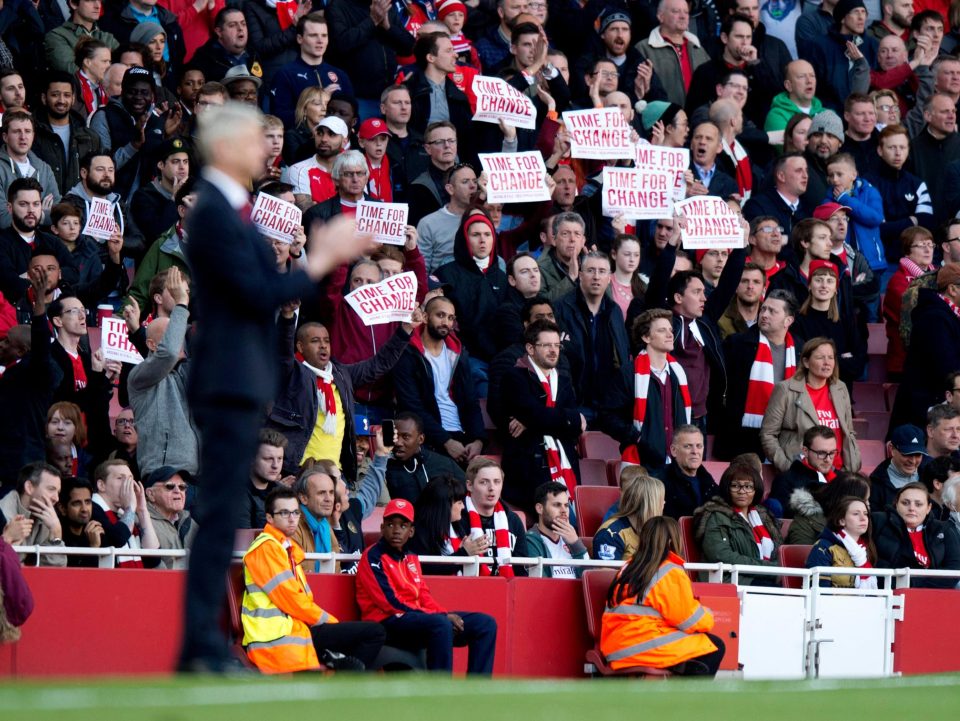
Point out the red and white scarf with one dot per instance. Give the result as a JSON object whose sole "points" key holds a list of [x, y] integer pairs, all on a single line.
{"points": [[286, 11], [452, 543], [919, 547], [326, 397], [857, 551], [560, 468], [951, 305], [741, 162], [821, 476], [132, 543], [760, 534], [94, 96], [761, 381], [912, 269], [641, 387], [501, 536]]}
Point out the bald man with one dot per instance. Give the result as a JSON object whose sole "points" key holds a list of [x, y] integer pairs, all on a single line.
{"points": [[799, 96], [158, 391]]}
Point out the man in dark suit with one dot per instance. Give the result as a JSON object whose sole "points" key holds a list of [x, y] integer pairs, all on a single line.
{"points": [[237, 293]]}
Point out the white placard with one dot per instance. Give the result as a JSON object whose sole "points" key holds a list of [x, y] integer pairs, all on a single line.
{"points": [[710, 223], [515, 177], [100, 221], [675, 160], [115, 341], [393, 299], [637, 194], [599, 134], [276, 219], [498, 100], [386, 222]]}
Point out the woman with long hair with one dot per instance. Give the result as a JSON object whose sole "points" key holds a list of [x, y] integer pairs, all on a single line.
{"points": [[652, 618], [617, 539], [795, 134], [814, 396], [845, 542], [436, 515], [311, 109], [625, 282], [65, 425]]}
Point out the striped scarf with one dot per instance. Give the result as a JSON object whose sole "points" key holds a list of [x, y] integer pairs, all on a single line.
{"points": [[560, 468], [951, 305], [912, 269], [641, 386], [760, 534], [761, 381], [501, 537], [741, 162], [94, 96], [133, 543], [858, 554], [452, 543]]}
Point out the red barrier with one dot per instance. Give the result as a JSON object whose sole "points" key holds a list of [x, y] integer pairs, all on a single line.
{"points": [[928, 637]]}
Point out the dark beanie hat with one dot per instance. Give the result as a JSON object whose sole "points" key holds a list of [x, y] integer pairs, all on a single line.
{"points": [[845, 7]]}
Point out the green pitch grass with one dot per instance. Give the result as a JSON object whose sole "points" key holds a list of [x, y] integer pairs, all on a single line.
{"points": [[425, 698]]}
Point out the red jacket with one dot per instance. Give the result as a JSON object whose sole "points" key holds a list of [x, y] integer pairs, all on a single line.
{"points": [[391, 584]]}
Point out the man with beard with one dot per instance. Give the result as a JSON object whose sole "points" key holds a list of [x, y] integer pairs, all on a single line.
{"points": [[311, 178], [554, 536], [97, 175], [19, 242], [62, 136], [17, 160], [412, 466], [743, 310], [75, 509], [129, 129], [153, 207], [438, 385], [825, 138]]}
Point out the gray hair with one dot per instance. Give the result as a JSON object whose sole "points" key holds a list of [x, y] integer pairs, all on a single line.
{"points": [[567, 217], [350, 160], [950, 494], [300, 486], [221, 122]]}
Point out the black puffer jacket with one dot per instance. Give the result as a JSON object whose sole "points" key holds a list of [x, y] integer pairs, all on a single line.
{"points": [[476, 295], [894, 549]]}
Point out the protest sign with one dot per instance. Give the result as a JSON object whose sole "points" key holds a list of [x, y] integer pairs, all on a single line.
{"points": [[393, 299], [386, 222], [599, 134], [637, 195], [515, 177], [498, 100], [710, 223], [276, 219], [100, 221], [116, 342], [675, 160]]}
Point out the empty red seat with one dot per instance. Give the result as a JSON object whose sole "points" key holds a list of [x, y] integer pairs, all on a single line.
{"points": [[869, 397], [691, 549], [877, 339], [373, 521], [592, 503], [594, 444], [593, 472], [793, 556], [872, 453], [613, 472], [715, 468], [872, 426]]}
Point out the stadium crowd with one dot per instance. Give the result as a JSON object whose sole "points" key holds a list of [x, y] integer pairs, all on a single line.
{"points": [[830, 129]]}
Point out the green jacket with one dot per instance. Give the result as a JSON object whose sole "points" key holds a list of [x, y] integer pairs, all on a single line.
{"points": [[726, 537], [554, 281], [783, 108], [60, 42], [166, 252], [808, 519], [666, 64], [537, 549], [731, 322]]}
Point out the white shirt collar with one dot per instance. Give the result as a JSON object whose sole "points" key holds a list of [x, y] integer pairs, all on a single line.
{"points": [[236, 194]]}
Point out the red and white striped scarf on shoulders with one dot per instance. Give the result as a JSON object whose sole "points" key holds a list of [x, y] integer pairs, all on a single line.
{"points": [[760, 534], [951, 305], [132, 543], [761, 381], [452, 543], [641, 387], [327, 400], [857, 551], [559, 464], [501, 536]]}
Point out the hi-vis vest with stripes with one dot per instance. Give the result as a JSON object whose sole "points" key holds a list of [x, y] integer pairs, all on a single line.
{"points": [[659, 628], [276, 641]]}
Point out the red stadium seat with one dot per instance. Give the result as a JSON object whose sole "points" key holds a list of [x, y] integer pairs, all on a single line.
{"points": [[784, 526], [613, 472], [691, 549], [488, 424], [594, 444], [869, 397], [244, 537], [877, 368], [793, 556], [873, 453], [369, 538], [890, 394], [596, 583], [715, 468], [769, 472], [872, 426], [593, 472], [592, 504], [877, 339], [373, 521], [861, 426]]}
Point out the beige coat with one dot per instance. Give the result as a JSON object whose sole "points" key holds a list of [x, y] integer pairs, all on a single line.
{"points": [[790, 414]]}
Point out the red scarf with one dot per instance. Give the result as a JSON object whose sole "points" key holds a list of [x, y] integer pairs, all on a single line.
{"points": [[641, 387], [951, 305], [326, 397], [741, 163], [761, 382], [919, 547], [380, 185], [452, 543], [760, 534], [822, 477], [286, 10], [88, 91], [501, 537], [560, 468]]}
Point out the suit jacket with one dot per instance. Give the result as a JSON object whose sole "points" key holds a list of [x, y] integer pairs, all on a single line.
{"points": [[236, 292]]}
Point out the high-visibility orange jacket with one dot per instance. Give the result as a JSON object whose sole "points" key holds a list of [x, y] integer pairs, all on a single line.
{"points": [[278, 607], [661, 627]]}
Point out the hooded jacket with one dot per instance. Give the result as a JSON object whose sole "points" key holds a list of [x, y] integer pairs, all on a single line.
{"points": [[894, 549], [809, 519], [165, 252], [476, 294], [866, 217], [120, 23], [9, 171], [783, 108], [726, 537]]}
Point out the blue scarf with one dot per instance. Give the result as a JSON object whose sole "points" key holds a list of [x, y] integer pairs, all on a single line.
{"points": [[321, 533]]}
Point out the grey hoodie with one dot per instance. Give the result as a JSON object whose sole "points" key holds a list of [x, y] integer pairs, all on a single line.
{"points": [[10, 172]]}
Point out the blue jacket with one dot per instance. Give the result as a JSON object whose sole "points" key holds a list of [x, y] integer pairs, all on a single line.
{"points": [[293, 78], [903, 195], [836, 77], [866, 217]]}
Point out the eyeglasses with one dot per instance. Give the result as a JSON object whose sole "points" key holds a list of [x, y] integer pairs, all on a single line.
{"points": [[443, 141], [353, 173], [822, 455], [737, 86], [182, 487], [286, 514], [608, 74], [125, 422], [924, 246], [953, 240], [742, 488], [75, 311], [549, 346], [885, 108], [770, 229]]}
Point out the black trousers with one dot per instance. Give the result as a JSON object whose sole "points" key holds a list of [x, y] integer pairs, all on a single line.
{"points": [[228, 440], [359, 639], [705, 665]]}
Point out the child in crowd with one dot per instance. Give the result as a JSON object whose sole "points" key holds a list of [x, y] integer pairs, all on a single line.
{"points": [[453, 14], [373, 138]]}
